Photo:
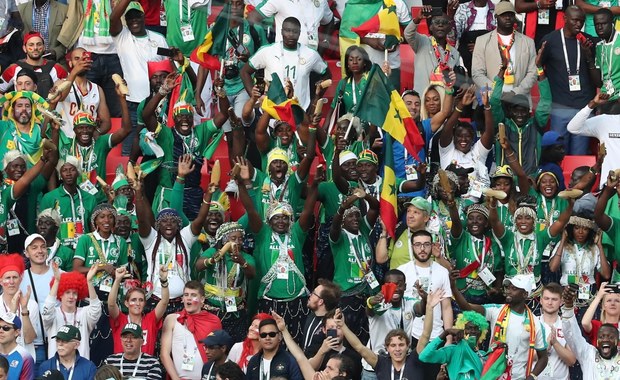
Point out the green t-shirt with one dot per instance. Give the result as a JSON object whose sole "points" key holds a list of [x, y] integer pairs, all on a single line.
{"points": [[135, 250], [352, 257], [92, 247], [465, 249], [34, 195], [181, 17], [279, 273], [196, 144], [331, 197], [74, 213], [548, 208], [266, 191], [291, 153], [27, 143], [62, 255], [349, 97], [532, 252], [607, 55], [227, 281], [6, 202], [92, 159], [399, 252], [613, 239]]}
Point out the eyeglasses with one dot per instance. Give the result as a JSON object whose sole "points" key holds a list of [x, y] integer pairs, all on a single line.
{"points": [[7, 328], [314, 294], [426, 245], [271, 334]]}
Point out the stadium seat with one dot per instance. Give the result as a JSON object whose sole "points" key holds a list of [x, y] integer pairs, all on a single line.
{"points": [[114, 156], [570, 163], [406, 67]]}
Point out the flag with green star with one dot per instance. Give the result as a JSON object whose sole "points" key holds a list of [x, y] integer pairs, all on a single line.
{"points": [[384, 22], [382, 106], [388, 201]]}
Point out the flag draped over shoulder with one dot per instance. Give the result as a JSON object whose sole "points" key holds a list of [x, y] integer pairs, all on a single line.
{"points": [[495, 367], [278, 106], [213, 47], [383, 107], [384, 22], [356, 13], [388, 201]]}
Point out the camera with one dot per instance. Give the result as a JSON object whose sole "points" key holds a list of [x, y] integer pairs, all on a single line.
{"points": [[231, 70]]}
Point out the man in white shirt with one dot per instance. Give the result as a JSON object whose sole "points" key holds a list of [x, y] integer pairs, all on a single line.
{"points": [[600, 362], [310, 13], [429, 276], [290, 60], [560, 355], [514, 325], [136, 46]]}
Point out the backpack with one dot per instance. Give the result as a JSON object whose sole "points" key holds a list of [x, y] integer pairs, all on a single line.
{"points": [[44, 79]]}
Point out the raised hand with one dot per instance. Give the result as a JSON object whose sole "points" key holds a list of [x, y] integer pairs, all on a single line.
{"points": [[540, 54], [185, 165]]}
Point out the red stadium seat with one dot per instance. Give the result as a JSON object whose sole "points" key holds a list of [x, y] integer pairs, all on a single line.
{"points": [[570, 163], [406, 67], [114, 157]]}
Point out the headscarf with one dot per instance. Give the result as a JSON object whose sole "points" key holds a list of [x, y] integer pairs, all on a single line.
{"points": [[99, 209], [168, 213], [11, 156], [227, 228], [157, 66], [51, 213], [277, 154]]}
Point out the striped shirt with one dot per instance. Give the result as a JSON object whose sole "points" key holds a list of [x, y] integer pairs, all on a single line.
{"points": [[148, 367]]}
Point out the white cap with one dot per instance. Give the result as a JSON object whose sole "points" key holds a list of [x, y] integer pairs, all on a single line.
{"points": [[32, 238], [522, 281]]}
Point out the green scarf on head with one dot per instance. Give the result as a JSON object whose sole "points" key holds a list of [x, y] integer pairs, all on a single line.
{"points": [[96, 22]]}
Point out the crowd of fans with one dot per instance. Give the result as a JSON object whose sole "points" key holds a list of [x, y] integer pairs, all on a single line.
{"points": [[287, 267]]}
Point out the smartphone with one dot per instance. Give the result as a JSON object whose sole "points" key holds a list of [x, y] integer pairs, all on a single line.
{"points": [[86, 56], [614, 288], [165, 52], [331, 333], [581, 38], [437, 11], [259, 78]]}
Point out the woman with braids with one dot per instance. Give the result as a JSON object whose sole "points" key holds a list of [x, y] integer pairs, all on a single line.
{"points": [[227, 268], [439, 222], [278, 252], [579, 256], [106, 251], [242, 352], [168, 243]]}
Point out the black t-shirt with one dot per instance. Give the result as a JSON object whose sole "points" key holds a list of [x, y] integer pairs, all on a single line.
{"points": [[384, 369], [555, 70], [312, 332], [351, 354], [208, 371]]}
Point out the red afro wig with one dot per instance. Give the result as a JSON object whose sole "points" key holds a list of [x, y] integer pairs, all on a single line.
{"points": [[72, 281], [12, 262], [247, 347]]}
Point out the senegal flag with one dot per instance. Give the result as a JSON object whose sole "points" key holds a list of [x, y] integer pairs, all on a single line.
{"points": [[495, 367], [278, 106], [384, 22], [387, 203], [384, 108], [356, 13], [214, 44], [67, 230]]}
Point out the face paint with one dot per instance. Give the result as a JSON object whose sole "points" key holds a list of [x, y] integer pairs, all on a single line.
{"points": [[471, 340]]}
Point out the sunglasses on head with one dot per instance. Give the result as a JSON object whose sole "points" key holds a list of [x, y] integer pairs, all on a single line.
{"points": [[271, 334]]}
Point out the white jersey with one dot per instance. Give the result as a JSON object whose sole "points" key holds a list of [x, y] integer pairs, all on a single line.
{"points": [[185, 354], [77, 101], [556, 369], [295, 65]]}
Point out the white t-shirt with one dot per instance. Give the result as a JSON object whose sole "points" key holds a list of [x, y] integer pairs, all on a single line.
{"points": [[605, 129], [235, 355], [517, 338], [433, 277], [184, 349], [475, 158], [75, 102], [134, 53], [584, 261], [480, 22], [33, 308], [556, 369], [41, 285], [378, 56], [166, 253], [295, 65], [310, 13]]}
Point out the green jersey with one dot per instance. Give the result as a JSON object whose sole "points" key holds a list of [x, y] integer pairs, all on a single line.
{"points": [[61, 255], [6, 202], [352, 258], [523, 254], [266, 192], [92, 247], [467, 249], [225, 279], [279, 263], [351, 93], [187, 25], [27, 143]]}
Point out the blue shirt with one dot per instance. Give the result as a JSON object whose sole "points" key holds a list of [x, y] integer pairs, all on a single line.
{"points": [[21, 364], [400, 160], [83, 369]]}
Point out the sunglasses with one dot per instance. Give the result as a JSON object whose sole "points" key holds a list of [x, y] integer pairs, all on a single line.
{"points": [[6, 328], [272, 334]]}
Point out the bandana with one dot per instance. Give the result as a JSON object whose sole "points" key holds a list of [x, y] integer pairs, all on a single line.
{"points": [[157, 66], [346, 155], [550, 173], [277, 154], [226, 229], [582, 222], [368, 155], [84, 118], [50, 213], [32, 35], [168, 213], [525, 211], [279, 208]]}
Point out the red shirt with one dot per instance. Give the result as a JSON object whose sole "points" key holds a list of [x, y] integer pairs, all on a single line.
{"points": [[151, 11], [150, 327], [593, 335]]}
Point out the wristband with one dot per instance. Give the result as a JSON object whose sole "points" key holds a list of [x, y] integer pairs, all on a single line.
{"points": [[457, 109], [312, 129], [449, 91], [368, 303], [593, 171], [205, 202], [487, 108], [181, 178]]}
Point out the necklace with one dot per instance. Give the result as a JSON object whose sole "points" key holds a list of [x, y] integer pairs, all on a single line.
{"points": [[607, 369]]}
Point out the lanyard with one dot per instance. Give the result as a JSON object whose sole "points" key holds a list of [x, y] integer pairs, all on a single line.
{"points": [[609, 56], [89, 150], [73, 211], [189, 13], [135, 370], [70, 371], [353, 91], [580, 261], [566, 54], [52, 252], [64, 317], [479, 256], [505, 49], [524, 260], [309, 335], [402, 372], [283, 246]]}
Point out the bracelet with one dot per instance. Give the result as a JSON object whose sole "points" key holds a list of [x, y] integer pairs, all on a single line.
{"points": [[457, 109], [163, 282], [164, 285], [26, 313], [179, 178], [593, 171], [383, 236], [205, 262], [249, 186], [205, 202], [368, 303], [449, 91], [245, 265], [540, 71], [487, 108]]}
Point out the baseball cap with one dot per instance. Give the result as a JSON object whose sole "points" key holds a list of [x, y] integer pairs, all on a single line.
{"points": [[551, 138], [419, 203], [134, 5], [68, 333], [459, 170], [132, 328], [218, 338], [503, 7], [32, 238], [51, 374], [521, 281], [12, 319], [503, 171]]}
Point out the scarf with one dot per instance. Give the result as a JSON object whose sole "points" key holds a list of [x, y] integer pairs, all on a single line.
{"points": [[531, 22], [200, 325], [96, 22]]}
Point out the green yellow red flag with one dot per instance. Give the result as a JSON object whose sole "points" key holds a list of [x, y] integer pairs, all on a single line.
{"points": [[388, 201], [278, 106]]}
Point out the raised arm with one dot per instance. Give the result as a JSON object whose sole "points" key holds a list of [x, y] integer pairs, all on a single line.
{"points": [[446, 108], [513, 162], [463, 100], [432, 300], [306, 218], [336, 228], [600, 217], [263, 140], [21, 185], [149, 111], [121, 274], [244, 183], [366, 353], [458, 296], [115, 17], [146, 219], [558, 226], [381, 249], [160, 308], [498, 228], [306, 162], [586, 320], [304, 364], [120, 135]]}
